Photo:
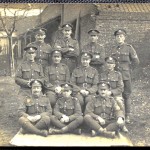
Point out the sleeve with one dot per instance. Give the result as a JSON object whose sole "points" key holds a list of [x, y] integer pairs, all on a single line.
{"points": [[67, 74], [93, 89], [120, 86], [90, 110], [57, 112], [78, 111], [102, 55], [18, 78], [133, 57], [22, 110]]}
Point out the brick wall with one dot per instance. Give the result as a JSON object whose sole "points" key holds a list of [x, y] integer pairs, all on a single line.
{"points": [[137, 26]]}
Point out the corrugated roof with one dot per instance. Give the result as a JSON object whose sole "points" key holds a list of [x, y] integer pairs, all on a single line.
{"points": [[123, 7]]}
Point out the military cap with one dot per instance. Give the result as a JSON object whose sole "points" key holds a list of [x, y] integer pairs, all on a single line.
{"points": [[120, 31], [93, 32], [110, 60], [86, 55], [66, 86], [103, 85], [67, 26], [40, 31], [30, 48], [56, 52], [36, 83]]}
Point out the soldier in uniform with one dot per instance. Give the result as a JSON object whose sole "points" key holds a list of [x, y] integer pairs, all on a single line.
{"points": [[28, 71], [34, 112], [102, 114], [127, 60], [95, 49], [55, 74], [116, 82], [67, 113], [69, 47], [43, 49], [84, 79]]}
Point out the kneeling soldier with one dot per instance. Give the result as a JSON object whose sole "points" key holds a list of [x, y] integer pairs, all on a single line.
{"points": [[102, 114], [67, 113], [34, 113]]}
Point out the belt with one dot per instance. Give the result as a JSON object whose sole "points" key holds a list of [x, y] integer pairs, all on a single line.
{"points": [[105, 116]]}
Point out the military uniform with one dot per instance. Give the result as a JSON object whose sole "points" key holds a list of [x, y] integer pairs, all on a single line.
{"points": [[105, 108], [127, 59], [69, 57], [84, 78], [33, 106], [96, 50], [26, 72], [70, 107], [55, 74]]}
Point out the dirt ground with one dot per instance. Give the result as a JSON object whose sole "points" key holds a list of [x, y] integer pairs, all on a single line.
{"points": [[140, 112]]}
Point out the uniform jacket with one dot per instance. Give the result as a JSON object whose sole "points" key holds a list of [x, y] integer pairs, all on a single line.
{"points": [[55, 75], [27, 71], [127, 59], [97, 52], [42, 53], [66, 43], [85, 78], [31, 106], [115, 80], [69, 107], [105, 108]]}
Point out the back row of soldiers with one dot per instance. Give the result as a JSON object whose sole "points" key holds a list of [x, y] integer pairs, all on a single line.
{"points": [[53, 67]]}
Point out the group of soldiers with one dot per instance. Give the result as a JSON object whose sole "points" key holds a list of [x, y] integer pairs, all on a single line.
{"points": [[62, 87]]}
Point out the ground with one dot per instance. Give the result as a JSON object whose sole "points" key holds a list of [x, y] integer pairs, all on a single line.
{"points": [[139, 129]]}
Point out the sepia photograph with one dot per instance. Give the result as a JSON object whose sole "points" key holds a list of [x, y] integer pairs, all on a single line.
{"points": [[74, 74]]}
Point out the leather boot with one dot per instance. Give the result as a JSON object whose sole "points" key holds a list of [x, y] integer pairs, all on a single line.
{"points": [[77, 131], [109, 134], [93, 133], [54, 131]]}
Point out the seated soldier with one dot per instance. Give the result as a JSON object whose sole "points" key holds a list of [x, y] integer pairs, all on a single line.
{"points": [[84, 79], [34, 112], [28, 71], [102, 114], [116, 82], [67, 113], [55, 74]]}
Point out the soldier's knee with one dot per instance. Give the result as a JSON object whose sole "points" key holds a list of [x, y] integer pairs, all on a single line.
{"points": [[22, 120], [87, 117], [46, 119], [80, 120], [53, 118]]}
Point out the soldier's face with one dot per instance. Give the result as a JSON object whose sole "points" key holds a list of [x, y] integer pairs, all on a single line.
{"points": [[56, 59], [67, 93], [103, 91], [120, 38], [110, 66], [85, 62], [36, 90], [40, 37], [31, 56], [67, 33], [93, 38]]}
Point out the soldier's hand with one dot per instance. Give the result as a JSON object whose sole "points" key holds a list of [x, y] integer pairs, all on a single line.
{"points": [[109, 93], [28, 83], [66, 119], [83, 92], [31, 118], [101, 120], [37, 117], [62, 120], [120, 121], [87, 92], [71, 49], [58, 89]]}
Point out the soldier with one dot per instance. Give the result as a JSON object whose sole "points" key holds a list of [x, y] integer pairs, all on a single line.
{"points": [[34, 112], [28, 71], [43, 49], [69, 47], [102, 114], [95, 49], [67, 113], [55, 74], [127, 59], [116, 82], [84, 79]]}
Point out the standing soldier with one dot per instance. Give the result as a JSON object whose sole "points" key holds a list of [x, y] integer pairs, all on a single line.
{"points": [[43, 49], [95, 49], [127, 59], [34, 112], [102, 114], [85, 79], [28, 71], [69, 47], [67, 113], [116, 82], [55, 74]]}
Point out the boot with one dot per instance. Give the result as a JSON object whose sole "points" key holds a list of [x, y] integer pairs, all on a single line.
{"points": [[54, 131], [93, 133], [77, 131], [109, 134]]}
